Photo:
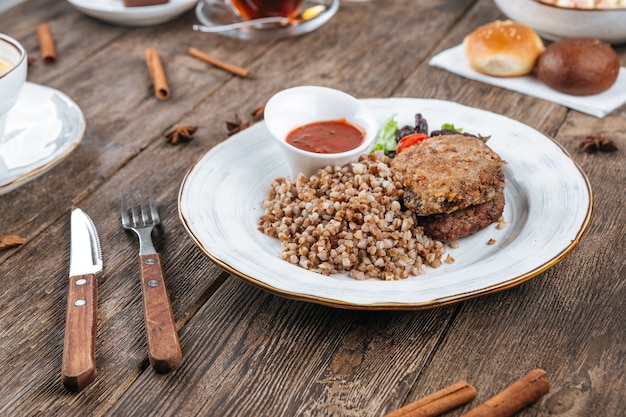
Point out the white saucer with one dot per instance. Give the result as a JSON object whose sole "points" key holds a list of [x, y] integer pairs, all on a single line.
{"points": [[44, 127], [114, 11]]}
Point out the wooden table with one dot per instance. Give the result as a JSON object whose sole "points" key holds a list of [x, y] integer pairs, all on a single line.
{"points": [[246, 351]]}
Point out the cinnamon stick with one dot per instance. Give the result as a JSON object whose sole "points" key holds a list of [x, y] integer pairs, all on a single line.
{"points": [[233, 69], [523, 392], [157, 73], [438, 402], [47, 49]]}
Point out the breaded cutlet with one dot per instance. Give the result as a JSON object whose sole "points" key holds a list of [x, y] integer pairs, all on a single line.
{"points": [[446, 173]]}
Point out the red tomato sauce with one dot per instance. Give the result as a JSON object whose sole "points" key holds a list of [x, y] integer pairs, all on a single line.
{"points": [[332, 136]]}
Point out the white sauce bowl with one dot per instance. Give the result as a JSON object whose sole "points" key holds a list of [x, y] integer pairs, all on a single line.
{"points": [[298, 106]]}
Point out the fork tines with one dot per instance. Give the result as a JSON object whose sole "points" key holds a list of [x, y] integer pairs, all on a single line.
{"points": [[142, 212]]}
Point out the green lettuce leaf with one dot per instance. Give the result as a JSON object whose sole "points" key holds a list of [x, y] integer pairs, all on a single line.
{"points": [[386, 137]]}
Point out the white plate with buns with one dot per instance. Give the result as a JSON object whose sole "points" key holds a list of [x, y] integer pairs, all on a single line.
{"points": [[455, 60], [583, 74]]}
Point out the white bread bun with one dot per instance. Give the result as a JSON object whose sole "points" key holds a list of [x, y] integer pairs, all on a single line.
{"points": [[503, 49]]}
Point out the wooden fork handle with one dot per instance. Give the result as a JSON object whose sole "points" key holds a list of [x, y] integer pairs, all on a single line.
{"points": [[81, 321], [163, 346]]}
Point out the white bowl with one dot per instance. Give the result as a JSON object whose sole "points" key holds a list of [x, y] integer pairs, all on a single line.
{"points": [[553, 22], [298, 106]]}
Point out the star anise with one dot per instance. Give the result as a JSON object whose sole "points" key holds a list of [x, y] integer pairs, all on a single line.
{"points": [[258, 114], [236, 125], [597, 143], [181, 134]]}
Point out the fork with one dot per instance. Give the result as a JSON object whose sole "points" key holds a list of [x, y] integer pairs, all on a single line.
{"points": [[142, 217]]}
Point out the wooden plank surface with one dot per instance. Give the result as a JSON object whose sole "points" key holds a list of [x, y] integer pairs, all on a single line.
{"points": [[247, 352]]}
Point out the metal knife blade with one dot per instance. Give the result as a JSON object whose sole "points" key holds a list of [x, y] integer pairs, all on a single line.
{"points": [[85, 252], [79, 345]]}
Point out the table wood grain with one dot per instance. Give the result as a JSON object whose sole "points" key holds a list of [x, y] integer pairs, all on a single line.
{"points": [[246, 351]]}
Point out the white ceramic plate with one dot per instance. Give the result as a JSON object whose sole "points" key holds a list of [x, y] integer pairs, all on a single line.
{"points": [[44, 127], [114, 11], [548, 209]]}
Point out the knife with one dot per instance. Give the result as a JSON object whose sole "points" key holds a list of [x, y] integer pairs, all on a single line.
{"points": [[81, 321]]}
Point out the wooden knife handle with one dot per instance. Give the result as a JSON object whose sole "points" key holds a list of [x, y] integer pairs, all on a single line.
{"points": [[81, 322], [163, 346]]}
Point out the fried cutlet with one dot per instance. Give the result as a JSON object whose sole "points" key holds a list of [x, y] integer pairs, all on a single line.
{"points": [[447, 173], [463, 222]]}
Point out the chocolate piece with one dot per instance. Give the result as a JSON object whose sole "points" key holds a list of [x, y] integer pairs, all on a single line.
{"points": [[140, 3]]}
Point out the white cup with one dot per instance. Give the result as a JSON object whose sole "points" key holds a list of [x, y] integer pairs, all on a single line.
{"points": [[13, 69]]}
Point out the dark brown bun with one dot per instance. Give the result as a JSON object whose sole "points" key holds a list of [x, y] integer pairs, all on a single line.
{"points": [[503, 49], [579, 66]]}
